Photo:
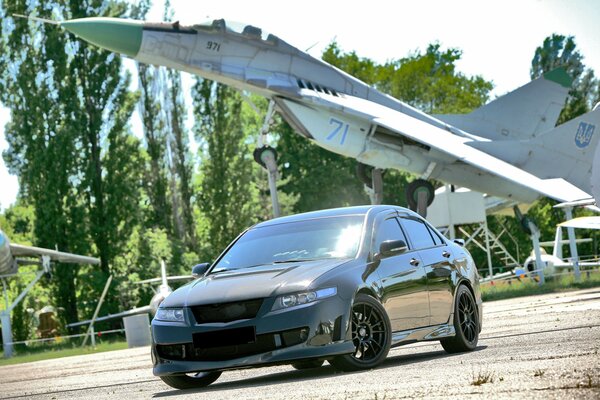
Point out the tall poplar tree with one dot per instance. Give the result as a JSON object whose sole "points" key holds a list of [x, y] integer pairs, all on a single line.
{"points": [[227, 195], [181, 161]]}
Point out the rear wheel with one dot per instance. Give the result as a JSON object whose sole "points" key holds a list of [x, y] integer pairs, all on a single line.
{"points": [[307, 364], [191, 381], [466, 323], [371, 335]]}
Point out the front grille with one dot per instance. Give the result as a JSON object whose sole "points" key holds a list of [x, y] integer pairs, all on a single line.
{"points": [[226, 312], [263, 344]]}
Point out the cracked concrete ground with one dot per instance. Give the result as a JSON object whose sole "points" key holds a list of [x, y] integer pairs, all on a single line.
{"points": [[540, 347]]}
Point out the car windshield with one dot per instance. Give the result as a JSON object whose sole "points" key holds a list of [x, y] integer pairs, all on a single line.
{"points": [[316, 239]]}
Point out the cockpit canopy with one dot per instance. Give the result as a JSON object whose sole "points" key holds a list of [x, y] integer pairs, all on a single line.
{"points": [[236, 28]]}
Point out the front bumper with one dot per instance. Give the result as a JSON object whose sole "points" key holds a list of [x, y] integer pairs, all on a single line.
{"points": [[320, 329]]}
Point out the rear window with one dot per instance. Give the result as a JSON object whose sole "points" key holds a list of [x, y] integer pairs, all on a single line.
{"points": [[418, 233]]}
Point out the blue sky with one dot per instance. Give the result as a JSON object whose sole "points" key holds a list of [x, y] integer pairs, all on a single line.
{"points": [[498, 38]]}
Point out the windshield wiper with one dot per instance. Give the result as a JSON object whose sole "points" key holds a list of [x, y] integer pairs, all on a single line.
{"points": [[292, 260], [239, 269]]}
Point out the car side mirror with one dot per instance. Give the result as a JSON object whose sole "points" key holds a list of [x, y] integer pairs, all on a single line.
{"points": [[391, 248], [199, 269], [460, 242]]}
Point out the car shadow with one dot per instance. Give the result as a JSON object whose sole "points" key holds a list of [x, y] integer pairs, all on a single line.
{"points": [[311, 374]]}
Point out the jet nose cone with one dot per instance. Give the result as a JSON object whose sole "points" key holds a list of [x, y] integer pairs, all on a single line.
{"points": [[114, 34]]}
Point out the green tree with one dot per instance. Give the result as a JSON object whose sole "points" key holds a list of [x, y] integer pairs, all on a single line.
{"points": [[561, 51], [226, 195], [153, 120], [181, 160]]}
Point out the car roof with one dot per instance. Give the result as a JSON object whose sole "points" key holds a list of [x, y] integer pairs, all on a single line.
{"points": [[332, 212]]}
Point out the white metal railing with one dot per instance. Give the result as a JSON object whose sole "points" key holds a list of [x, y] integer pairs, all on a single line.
{"points": [[60, 338], [529, 275]]}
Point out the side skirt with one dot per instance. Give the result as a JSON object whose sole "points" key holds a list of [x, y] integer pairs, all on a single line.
{"points": [[428, 333]]}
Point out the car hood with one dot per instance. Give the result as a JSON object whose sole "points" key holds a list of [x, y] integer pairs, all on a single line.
{"points": [[251, 283]]}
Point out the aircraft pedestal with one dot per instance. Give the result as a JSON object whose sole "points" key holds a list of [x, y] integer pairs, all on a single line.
{"points": [[7, 339], [137, 330]]}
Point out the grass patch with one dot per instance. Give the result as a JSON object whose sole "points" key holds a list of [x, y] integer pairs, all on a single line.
{"points": [[482, 378], [25, 356], [539, 373], [502, 290]]}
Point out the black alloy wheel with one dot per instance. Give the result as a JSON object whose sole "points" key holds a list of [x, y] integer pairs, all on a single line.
{"points": [[191, 381], [371, 335], [466, 323]]}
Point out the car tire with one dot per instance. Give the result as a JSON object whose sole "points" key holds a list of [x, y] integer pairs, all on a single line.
{"points": [[371, 334], [466, 323], [191, 381], [307, 364]]}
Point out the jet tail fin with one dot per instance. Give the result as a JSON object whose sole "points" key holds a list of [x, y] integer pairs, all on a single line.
{"points": [[521, 114], [566, 151]]}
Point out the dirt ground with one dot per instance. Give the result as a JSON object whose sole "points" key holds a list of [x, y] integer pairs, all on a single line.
{"points": [[534, 347]]}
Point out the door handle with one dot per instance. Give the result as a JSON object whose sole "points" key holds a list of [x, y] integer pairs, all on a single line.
{"points": [[446, 254], [414, 262]]}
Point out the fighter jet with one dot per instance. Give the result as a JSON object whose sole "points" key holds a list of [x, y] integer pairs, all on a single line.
{"points": [[12, 255], [161, 293], [508, 148]]}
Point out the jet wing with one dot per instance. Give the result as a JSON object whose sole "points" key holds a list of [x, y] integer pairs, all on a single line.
{"points": [[19, 250], [133, 311], [456, 147]]}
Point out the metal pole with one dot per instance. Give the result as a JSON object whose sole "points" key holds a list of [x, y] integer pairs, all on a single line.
{"points": [[557, 250], [451, 227], [91, 327], [273, 189], [573, 245], [535, 237], [487, 248], [377, 183], [6, 334], [6, 327], [26, 290]]}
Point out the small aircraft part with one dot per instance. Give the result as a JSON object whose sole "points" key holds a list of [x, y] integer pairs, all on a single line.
{"points": [[419, 195]]}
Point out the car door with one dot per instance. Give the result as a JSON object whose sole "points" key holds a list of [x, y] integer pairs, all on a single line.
{"points": [[438, 262], [402, 279]]}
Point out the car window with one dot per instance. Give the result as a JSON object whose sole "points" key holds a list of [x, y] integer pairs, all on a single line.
{"points": [[388, 230], [436, 236], [418, 233]]}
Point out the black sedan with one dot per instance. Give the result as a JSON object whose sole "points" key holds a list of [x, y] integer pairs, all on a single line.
{"points": [[342, 285]]}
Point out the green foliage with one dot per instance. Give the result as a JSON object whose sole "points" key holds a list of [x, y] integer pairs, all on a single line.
{"points": [[561, 51], [319, 178], [153, 120], [527, 287], [429, 81], [227, 198]]}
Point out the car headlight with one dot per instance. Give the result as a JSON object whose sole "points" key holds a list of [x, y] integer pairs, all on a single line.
{"points": [[170, 314], [296, 299]]}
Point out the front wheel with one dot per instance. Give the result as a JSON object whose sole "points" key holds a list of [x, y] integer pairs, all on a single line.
{"points": [[191, 381], [466, 323], [371, 335]]}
